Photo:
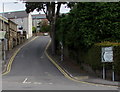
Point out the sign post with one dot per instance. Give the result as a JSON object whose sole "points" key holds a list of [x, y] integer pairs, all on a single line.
{"points": [[103, 71], [113, 73], [107, 56]]}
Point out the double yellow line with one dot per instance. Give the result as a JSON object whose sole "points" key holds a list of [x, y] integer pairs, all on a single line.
{"points": [[8, 69], [67, 75]]}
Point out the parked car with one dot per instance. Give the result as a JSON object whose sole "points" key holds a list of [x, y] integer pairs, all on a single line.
{"points": [[45, 34]]}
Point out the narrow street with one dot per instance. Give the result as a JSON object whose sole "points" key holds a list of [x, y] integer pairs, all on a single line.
{"points": [[32, 70]]}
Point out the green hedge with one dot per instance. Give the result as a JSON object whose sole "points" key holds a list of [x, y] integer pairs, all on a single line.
{"points": [[117, 59], [87, 24], [92, 58]]}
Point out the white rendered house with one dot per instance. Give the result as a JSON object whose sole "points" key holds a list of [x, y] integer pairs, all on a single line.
{"points": [[23, 20]]}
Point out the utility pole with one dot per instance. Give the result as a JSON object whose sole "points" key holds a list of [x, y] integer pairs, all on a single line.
{"points": [[3, 40]]}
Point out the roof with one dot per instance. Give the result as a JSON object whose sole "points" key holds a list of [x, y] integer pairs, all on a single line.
{"points": [[15, 14], [6, 20], [12, 22], [39, 16], [3, 18]]}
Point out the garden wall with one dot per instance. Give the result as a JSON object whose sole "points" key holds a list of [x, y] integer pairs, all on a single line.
{"points": [[90, 61]]}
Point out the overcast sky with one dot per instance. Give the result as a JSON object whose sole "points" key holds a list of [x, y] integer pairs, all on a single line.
{"points": [[10, 5]]}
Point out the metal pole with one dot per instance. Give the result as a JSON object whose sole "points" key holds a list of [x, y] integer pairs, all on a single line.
{"points": [[113, 73], [3, 16], [103, 71], [4, 54]]}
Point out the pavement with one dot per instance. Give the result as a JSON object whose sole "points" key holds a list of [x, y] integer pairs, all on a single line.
{"points": [[74, 71], [32, 69]]}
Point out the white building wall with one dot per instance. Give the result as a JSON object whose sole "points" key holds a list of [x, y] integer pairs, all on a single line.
{"points": [[26, 23], [35, 22], [22, 22]]}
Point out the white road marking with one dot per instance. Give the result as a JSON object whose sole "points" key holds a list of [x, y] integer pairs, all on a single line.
{"points": [[110, 86], [50, 83], [97, 85], [25, 81], [37, 83]]}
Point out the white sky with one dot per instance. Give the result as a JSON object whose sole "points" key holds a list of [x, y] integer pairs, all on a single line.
{"points": [[9, 5]]}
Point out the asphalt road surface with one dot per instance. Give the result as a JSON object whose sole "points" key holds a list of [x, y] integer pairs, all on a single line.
{"points": [[32, 70]]}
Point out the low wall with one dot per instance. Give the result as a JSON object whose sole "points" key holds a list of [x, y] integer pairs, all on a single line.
{"points": [[90, 61]]}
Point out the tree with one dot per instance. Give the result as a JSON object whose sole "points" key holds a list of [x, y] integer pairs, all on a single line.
{"points": [[34, 29], [51, 9], [51, 14], [45, 27], [88, 23]]}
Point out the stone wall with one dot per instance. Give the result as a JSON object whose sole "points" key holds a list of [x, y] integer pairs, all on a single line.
{"points": [[12, 36], [90, 61]]}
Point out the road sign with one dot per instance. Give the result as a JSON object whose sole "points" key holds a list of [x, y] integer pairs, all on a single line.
{"points": [[107, 54]]}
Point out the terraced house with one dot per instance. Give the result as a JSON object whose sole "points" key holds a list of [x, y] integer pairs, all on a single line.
{"points": [[9, 41], [4, 29], [23, 20], [12, 35]]}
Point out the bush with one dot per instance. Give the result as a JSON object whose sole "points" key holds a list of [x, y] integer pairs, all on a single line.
{"points": [[45, 28], [87, 24], [34, 29]]}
